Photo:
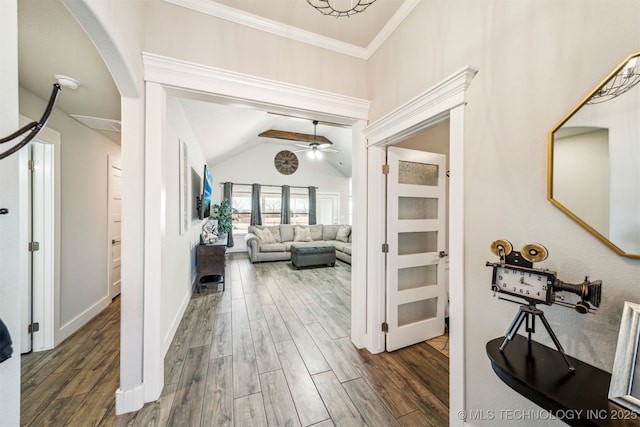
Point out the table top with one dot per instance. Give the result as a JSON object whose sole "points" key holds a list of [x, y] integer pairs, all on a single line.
{"points": [[540, 374]]}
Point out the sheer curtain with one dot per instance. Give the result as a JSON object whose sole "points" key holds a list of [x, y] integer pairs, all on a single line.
{"points": [[285, 206], [227, 191], [312, 205], [256, 215]]}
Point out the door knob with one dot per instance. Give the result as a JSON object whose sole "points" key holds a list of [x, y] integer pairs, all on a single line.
{"points": [[442, 254]]}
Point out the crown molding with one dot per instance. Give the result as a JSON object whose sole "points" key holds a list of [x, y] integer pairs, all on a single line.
{"points": [[422, 111], [270, 26], [177, 73], [403, 11]]}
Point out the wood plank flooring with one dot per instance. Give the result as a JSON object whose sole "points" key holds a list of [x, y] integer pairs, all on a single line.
{"points": [[273, 349]]}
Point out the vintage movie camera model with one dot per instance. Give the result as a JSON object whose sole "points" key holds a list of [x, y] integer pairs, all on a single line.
{"points": [[514, 275]]}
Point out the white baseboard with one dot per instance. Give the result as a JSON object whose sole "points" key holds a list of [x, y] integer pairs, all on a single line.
{"points": [[168, 338], [129, 400], [80, 320]]}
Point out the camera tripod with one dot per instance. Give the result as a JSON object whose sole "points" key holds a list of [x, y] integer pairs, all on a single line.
{"points": [[529, 312]]}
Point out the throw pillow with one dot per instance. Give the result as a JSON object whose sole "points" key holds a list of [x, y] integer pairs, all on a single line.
{"points": [[302, 234], [343, 233], [265, 236], [275, 232]]}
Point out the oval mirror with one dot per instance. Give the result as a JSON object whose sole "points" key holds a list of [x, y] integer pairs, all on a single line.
{"points": [[594, 160]]}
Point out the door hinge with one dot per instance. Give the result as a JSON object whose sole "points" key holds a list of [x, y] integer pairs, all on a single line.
{"points": [[32, 165], [385, 248], [34, 246], [385, 169], [385, 327], [34, 327]]}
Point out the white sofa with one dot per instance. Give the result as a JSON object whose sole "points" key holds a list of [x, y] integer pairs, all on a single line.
{"points": [[273, 243]]}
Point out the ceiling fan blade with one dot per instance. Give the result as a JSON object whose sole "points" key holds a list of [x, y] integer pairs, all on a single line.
{"points": [[303, 146], [329, 150], [294, 136]]}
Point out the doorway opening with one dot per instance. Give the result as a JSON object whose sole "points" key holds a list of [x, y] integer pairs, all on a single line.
{"points": [[417, 237]]}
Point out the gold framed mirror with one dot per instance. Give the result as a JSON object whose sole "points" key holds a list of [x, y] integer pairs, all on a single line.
{"points": [[593, 172]]}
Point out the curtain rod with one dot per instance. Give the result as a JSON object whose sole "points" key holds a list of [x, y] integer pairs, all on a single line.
{"points": [[269, 185]]}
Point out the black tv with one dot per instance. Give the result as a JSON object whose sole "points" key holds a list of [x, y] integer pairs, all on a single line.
{"points": [[204, 202]]}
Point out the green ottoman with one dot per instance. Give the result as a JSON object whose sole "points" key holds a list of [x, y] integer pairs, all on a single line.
{"points": [[309, 255]]}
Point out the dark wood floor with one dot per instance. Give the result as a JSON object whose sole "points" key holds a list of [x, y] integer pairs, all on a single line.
{"points": [[273, 349]]}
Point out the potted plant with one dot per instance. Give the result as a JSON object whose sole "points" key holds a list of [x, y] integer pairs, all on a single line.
{"points": [[222, 212]]}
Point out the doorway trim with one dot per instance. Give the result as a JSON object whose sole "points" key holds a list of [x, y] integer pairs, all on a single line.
{"points": [[49, 297], [164, 76], [445, 99]]}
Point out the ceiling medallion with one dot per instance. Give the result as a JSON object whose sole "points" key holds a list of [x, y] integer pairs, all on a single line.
{"points": [[340, 8], [286, 162]]}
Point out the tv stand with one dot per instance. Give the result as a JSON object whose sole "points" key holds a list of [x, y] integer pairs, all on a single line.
{"points": [[211, 260]]}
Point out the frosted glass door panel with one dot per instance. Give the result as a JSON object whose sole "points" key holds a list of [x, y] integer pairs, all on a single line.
{"points": [[416, 199], [417, 311], [417, 242], [417, 208], [417, 277], [417, 173]]}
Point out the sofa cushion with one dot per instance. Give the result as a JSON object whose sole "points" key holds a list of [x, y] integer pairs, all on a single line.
{"points": [[343, 233], [329, 232], [265, 235], [273, 247], [316, 231], [302, 234], [286, 232]]}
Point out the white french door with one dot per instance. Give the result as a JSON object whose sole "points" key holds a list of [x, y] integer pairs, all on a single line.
{"points": [[416, 228]]}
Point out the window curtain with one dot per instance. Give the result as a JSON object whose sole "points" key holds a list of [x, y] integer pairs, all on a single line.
{"points": [[285, 206], [312, 205], [227, 191], [256, 215]]}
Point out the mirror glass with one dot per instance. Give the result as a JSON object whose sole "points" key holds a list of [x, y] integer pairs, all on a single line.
{"points": [[594, 160]]}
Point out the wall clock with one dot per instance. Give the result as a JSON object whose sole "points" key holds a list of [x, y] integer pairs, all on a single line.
{"points": [[286, 162]]}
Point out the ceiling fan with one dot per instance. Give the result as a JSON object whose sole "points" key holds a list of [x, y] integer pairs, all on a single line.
{"points": [[314, 145]]}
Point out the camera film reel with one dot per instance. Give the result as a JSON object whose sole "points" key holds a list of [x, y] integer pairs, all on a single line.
{"points": [[501, 248], [534, 252]]}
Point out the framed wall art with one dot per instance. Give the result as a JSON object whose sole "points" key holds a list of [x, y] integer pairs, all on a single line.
{"points": [[625, 378]]}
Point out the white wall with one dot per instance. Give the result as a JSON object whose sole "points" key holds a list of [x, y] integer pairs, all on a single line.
{"points": [[256, 166], [84, 245], [179, 254], [13, 174], [536, 60], [215, 42]]}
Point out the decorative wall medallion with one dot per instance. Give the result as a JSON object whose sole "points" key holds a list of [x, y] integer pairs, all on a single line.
{"points": [[286, 162]]}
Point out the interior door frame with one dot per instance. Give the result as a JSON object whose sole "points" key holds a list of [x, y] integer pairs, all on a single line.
{"points": [[445, 99], [48, 297], [111, 162]]}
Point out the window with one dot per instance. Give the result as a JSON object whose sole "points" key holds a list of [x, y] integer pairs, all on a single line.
{"points": [[270, 205], [299, 203], [241, 202]]}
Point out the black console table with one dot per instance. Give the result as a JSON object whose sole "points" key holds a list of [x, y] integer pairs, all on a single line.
{"points": [[211, 260], [540, 374]]}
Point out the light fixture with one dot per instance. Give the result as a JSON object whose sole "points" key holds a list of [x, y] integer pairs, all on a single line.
{"points": [[621, 82], [314, 153], [340, 8], [68, 82]]}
